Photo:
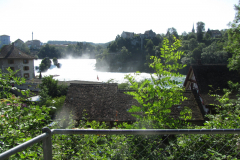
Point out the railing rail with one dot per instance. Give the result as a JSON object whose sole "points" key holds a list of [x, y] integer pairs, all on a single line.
{"points": [[47, 133], [23, 146]]}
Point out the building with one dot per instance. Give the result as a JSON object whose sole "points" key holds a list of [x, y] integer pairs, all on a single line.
{"points": [[206, 78], [127, 34], [18, 43], [216, 33], [150, 34], [4, 40], [12, 57], [106, 103], [35, 44]]}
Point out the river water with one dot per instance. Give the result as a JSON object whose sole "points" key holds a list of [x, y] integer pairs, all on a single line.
{"points": [[84, 69]]}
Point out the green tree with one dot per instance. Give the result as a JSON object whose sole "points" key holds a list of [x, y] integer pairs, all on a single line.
{"points": [[45, 64], [157, 96], [192, 44], [49, 51], [51, 88], [124, 54], [200, 31], [211, 55], [55, 61], [234, 41]]}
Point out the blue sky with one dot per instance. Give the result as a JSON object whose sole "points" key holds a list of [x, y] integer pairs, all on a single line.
{"points": [[100, 21]]}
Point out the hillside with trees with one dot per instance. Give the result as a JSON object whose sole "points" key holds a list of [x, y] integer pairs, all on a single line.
{"points": [[127, 54]]}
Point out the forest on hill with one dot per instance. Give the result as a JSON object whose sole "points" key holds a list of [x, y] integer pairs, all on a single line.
{"points": [[207, 46]]}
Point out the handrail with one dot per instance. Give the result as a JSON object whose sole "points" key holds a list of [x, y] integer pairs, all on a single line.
{"points": [[47, 142], [145, 131], [23, 146]]}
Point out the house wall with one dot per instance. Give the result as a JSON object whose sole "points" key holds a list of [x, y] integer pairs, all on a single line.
{"points": [[19, 65]]}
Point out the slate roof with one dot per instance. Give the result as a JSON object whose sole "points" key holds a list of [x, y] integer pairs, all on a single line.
{"points": [[11, 52]]}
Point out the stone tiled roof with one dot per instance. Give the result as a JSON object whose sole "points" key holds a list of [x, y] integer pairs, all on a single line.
{"points": [[104, 102], [101, 102], [11, 52]]}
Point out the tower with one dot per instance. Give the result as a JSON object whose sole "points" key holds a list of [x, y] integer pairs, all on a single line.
{"points": [[193, 30], [32, 36]]}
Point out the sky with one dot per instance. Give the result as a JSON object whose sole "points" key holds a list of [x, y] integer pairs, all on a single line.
{"points": [[100, 21]]}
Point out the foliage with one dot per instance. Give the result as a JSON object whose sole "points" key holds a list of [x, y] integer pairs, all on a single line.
{"points": [[49, 51], [55, 61], [124, 54], [234, 40], [157, 96], [19, 121], [211, 55], [200, 31], [221, 146], [45, 64], [51, 88], [192, 44], [5, 82]]}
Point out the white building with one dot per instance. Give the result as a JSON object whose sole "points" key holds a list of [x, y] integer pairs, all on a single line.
{"points": [[12, 57], [4, 40]]}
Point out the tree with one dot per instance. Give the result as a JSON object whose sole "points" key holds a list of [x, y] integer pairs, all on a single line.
{"points": [[200, 31], [170, 33], [51, 88], [149, 47], [211, 55], [192, 35], [124, 55], [234, 41], [192, 44], [45, 64], [49, 51], [158, 95], [55, 61]]}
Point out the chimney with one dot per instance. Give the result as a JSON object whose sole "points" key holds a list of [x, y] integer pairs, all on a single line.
{"points": [[13, 45]]}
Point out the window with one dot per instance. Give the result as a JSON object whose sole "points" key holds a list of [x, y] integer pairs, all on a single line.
{"points": [[26, 75], [10, 61], [25, 61], [12, 68], [25, 68]]}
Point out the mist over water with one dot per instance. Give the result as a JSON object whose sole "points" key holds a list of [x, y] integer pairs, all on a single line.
{"points": [[84, 70]]}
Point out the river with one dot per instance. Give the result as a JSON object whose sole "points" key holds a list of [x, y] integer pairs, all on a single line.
{"points": [[84, 70]]}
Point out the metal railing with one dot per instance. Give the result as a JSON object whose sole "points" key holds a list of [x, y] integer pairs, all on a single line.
{"points": [[46, 137]]}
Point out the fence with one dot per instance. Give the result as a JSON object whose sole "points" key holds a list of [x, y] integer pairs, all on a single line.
{"points": [[135, 144]]}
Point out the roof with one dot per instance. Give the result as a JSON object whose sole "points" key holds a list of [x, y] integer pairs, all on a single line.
{"points": [[104, 102], [215, 75], [11, 52], [147, 32], [19, 40], [4, 35], [101, 102], [215, 32]]}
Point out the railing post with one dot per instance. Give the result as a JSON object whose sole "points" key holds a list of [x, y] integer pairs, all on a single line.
{"points": [[47, 144]]}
